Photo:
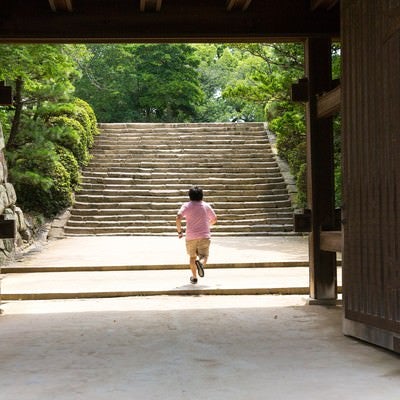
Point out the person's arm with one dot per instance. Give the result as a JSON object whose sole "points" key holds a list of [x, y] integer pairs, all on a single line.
{"points": [[179, 225], [212, 217]]}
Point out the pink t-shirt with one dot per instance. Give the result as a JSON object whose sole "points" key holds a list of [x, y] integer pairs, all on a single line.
{"points": [[198, 215]]}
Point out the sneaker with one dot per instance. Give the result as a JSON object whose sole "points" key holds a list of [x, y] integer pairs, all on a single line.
{"points": [[200, 268], [193, 280]]}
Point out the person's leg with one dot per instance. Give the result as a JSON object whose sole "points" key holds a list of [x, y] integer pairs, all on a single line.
{"points": [[191, 250], [193, 267], [203, 250]]}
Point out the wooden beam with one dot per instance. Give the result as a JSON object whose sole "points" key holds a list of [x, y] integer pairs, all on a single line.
{"points": [[242, 4], [106, 21], [61, 5], [328, 104], [331, 241], [6, 98], [320, 171], [150, 5], [299, 91], [325, 4], [302, 221]]}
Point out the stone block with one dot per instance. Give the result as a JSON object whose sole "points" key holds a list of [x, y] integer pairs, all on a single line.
{"points": [[12, 196], [3, 199], [21, 223], [3, 168], [2, 143]]}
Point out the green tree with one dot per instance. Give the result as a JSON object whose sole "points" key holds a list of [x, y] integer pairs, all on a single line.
{"points": [[38, 74], [107, 81], [38, 146], [144, 83], [221, 67], [272, 70]]}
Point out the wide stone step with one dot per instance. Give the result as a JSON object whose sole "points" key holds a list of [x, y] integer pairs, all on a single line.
{"points": [[223, 218], [172, 137], [192, 128], [184, 159], [181, 138], [182, 193], [122, 145], [179, 173], [188, 127], [197, 150], [187, 182], [271, 172], [160, 230], [153, 213], [169, 225], [179, 144], [174, 187], [117, 198], [175, 142], [176, 170], [112, 282], [196, 163], [184, 134], [175, 205], [191, 125]]}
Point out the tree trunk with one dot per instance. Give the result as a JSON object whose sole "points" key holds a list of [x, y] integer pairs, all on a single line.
{"points": [[11, 143]]}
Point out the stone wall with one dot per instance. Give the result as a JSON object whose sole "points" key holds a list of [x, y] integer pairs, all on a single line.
{"points": [[9, 210], [284, 167]]}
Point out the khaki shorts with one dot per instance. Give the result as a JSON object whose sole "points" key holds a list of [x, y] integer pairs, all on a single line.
{"points": [[198, 247]]}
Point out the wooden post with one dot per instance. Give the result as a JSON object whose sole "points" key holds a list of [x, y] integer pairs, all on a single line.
{"points": [[320, 172]]}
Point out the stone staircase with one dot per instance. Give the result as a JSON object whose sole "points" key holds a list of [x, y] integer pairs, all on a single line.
{"points": [[140, 175]]}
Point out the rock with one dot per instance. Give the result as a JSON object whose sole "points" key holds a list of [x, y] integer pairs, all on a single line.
{"points": [[2, 143], [3, 199], [12, 196], [23, 228]]}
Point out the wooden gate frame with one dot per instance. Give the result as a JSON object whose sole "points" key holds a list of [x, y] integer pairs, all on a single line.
{"points": [[320, 219]]}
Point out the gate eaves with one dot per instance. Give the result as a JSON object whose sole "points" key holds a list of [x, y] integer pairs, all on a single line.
{"points": [[166, 21]]}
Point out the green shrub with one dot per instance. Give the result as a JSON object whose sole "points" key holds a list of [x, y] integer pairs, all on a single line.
{"points": [[83, 105], [72, 136], [41, 181], [79, 111], [5, 122], [301, 183], [60, 194], [50, 110], [71, 165], [40, 198], [290, 129]]}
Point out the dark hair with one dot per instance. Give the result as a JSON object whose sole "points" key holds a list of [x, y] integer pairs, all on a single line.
{"points": [[196, 193]]}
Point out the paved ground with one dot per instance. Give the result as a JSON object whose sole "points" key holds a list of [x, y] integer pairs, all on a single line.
{"points": [[179, 347], [56, 285], [169, 347], [165, 250], [113, 266]]}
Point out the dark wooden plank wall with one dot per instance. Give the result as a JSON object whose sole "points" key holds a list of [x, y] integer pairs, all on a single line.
{"points": [[371, 164]]}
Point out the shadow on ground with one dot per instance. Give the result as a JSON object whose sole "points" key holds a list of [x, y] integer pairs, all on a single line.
{"points": [[206, 347]]}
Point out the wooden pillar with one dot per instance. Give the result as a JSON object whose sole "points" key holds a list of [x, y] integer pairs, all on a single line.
{"points": [[320, 171]]}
